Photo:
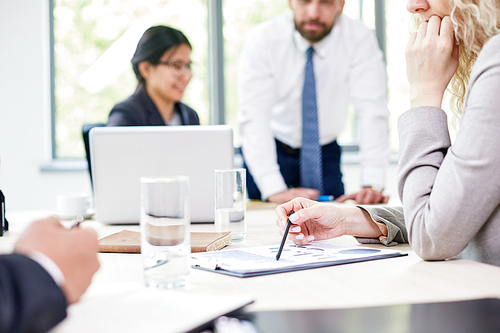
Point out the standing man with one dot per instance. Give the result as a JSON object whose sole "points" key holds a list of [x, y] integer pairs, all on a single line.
{"points": [[297, 75]]}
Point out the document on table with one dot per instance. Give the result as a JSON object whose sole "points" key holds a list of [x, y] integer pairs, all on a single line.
{"points": [[131, 308], [255, 261]]}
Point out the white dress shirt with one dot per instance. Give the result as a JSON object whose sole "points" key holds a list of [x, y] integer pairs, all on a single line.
{"points": [[348, 67], [50, 266]]}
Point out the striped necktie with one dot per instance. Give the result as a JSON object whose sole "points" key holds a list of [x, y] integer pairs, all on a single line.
{"points": [[311, 157]]}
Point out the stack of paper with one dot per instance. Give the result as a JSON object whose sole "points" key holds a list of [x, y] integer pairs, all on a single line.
{"points": [[130, 307]]}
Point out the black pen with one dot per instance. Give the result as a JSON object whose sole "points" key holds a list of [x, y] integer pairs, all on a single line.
{"points": [[285, 234]]}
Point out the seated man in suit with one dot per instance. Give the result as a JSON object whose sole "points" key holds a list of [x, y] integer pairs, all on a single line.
{"points": [[50, 268]]}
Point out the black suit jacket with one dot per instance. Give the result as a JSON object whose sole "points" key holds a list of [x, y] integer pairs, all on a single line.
{"points": [[139, 110], [30, 300]]}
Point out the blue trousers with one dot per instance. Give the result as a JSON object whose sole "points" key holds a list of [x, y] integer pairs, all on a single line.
{"points": [[288, 160]]}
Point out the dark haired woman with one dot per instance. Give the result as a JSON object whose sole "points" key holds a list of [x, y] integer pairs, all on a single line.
{"points": [[162, 65]]}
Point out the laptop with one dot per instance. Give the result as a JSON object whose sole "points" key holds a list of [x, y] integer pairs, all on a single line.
{"points": [[120, 156]]}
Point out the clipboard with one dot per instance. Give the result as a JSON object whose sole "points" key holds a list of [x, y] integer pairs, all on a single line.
{"points": [[261, 260]]}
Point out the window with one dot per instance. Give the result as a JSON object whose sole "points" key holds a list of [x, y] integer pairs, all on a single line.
{"points": [[93, 44], [398, 32], [94, 41]]}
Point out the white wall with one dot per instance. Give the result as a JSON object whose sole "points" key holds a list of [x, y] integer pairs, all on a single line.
{"points": [[25, 114], [24, 110]]}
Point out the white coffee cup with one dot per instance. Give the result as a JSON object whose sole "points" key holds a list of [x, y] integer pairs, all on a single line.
{"points": [[72, 204]]}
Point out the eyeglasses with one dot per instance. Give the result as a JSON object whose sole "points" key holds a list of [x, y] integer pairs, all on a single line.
{"points": [[178, 67]]}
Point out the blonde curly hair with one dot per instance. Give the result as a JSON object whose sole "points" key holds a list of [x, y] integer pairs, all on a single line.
{"points": [[475, 22]]}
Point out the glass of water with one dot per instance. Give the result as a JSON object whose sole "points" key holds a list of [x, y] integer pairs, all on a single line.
{"points": [[165, 235], [230, 202]]}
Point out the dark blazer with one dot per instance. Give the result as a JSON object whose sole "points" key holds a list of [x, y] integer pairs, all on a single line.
{"points": [[139, 110], [30, 300]]}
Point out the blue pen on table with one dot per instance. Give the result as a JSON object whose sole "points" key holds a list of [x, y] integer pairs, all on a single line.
{"points": [[285, 234], [325, 198]]}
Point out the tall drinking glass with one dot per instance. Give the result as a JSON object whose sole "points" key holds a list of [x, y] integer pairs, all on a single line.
{"points": [[230, 202], [165, 235]]}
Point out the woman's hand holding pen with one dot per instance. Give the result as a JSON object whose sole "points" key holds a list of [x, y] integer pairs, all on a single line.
{"points": [[311, 220], [317, 221], [431, 61]]}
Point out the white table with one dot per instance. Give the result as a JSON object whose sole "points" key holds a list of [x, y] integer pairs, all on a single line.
{"points": [[400, 280]]}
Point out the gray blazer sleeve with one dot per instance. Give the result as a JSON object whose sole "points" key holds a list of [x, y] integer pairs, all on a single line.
{"points": [[450, 194], [393, 218]]}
